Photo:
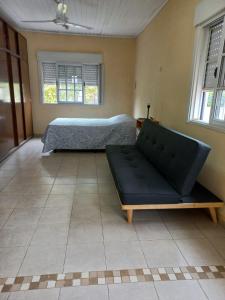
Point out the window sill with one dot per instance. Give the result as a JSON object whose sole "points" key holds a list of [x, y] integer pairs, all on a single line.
{"points": [[80, 104], [213, 127]]}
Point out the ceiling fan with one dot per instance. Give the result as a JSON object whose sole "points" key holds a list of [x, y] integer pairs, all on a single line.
{"points": [[61, 17]]}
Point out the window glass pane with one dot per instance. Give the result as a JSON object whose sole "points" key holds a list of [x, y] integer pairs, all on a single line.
{"points": [[206, 104], [220, 106], [69, 77], [62, 96], [91, 94], [79, 96], [70, 95]]}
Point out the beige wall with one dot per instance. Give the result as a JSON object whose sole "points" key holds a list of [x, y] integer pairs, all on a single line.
{"points": [[163, 78], [118, 56]]}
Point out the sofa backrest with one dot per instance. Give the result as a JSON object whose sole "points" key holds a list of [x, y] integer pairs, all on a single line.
{"points": [[177, 157]]}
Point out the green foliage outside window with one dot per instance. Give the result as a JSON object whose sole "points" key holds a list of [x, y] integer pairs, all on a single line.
{"points": [[50, 95]]}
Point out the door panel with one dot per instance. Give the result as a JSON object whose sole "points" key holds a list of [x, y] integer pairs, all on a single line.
{"points": [[17, 96], [22, 47], [12, 40], [26, 98], [2, 35], [6, 122]]}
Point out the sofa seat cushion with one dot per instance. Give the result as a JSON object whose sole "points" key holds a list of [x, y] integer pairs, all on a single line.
{"points": [[137, 180]]}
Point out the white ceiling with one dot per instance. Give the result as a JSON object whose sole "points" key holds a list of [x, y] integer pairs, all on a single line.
{"points": [[107, 17]]}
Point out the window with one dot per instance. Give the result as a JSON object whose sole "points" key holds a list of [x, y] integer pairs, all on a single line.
{"points": [[208, 91], [71, 83]]}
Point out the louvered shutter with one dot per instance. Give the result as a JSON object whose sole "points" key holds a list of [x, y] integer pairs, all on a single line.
{"points": [[49, 73], [91, 75], [212, 56]]}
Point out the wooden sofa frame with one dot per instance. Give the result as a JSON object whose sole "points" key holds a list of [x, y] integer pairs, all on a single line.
{"points": [[211, 206]]}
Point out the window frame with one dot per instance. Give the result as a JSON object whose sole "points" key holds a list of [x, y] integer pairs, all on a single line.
{"points": [[100, 83], [202, 40]]}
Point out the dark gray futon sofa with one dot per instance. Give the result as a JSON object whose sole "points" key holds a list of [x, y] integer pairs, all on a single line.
{"points": [[160, 171]]}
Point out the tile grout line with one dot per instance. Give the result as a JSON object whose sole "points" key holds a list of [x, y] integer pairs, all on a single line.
{"points": [[202, 290], [177, 246], [103, 238], [142, 250]]}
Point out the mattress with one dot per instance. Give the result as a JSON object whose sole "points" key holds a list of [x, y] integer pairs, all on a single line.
{"points": [[84, 134]]}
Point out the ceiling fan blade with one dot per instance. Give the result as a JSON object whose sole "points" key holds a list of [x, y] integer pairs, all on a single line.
{"points": [[78, 25], [40, 21]]}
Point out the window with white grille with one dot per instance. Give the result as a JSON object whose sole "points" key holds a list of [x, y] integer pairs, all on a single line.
{"points": [[69, 83], [208, 91]]}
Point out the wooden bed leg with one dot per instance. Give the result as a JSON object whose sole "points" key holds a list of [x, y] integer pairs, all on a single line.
{"points": [[213, 215], [129, 216]]}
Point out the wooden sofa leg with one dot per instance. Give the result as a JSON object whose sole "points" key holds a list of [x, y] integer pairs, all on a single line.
{"points": [[213, 215], [129, 216]]}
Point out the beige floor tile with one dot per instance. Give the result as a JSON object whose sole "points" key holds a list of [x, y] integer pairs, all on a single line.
{"points": [[24, 216], [219, 244], [84, 292], [85, 231], [211, 230], [50, 234], [119, 231], [4, 215], [55, 215], [28, 201], [86, 200], [39, 189], [9, 200], [43, 260], [134, 291], [199, 252], [52, 294], [90, 188], [109, 199], [124, 255], [87, 180], [65, 180], [162, 253], [63, 189], [151, 230], [10, 260], [179, 290], [16, 235], [85, 256], [85, 213], [107, 188], [4, 296], [59, 200], [214, 288], [112, 213], [183, 230]]}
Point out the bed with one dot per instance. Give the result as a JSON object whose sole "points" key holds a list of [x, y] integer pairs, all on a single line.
{"points": [[89, 134]]}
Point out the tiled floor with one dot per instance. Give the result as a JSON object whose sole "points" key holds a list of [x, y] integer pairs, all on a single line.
{"points": [[60, 213]]}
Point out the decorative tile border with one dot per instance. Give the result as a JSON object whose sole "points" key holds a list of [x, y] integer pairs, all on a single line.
{"points": [[24, 283]]}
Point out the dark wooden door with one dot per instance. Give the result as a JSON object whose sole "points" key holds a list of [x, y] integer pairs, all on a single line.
{"points": [[18, 99], [26, 98], [6, 120], [25, 80], [2, 35]]}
